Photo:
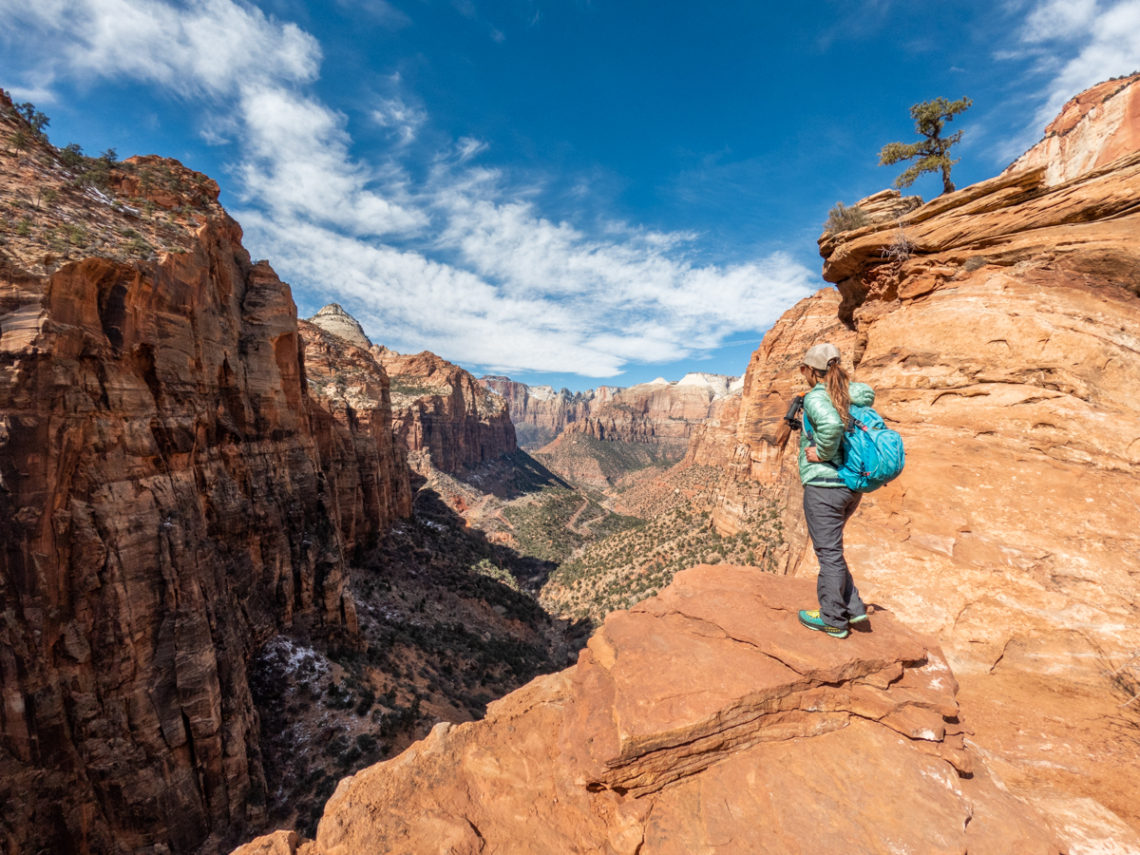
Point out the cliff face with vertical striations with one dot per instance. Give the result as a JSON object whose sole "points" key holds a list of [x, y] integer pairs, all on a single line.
{"points": [[539, 413], [365, 466], [659, 413], [163, 506], [1006, 349], [443, 415]]}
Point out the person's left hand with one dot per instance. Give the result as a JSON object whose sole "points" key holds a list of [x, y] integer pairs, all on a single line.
{"points": [[811, 454]]}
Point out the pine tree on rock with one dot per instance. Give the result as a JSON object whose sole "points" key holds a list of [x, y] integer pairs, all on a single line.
{"points": [[930, 117]]}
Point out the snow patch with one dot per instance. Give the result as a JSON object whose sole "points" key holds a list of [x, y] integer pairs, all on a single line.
{"points": [[718, 384], [541, 393]]}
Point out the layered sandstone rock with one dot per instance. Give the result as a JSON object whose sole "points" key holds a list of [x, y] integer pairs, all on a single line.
{"points": [[163, 509], [1004, 349], [703, 720], [539, 413], [442, 414], [365, 466], [659, 413], [1093, 129], [887, 205]]}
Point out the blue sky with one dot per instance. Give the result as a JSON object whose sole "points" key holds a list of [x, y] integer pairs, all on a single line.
{"points": [[576, 192]]}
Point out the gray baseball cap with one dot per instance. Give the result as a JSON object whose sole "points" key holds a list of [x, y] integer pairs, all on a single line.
{"points": [[819, 355]]}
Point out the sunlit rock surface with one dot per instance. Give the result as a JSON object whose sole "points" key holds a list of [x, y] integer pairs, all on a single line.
{"points": [[703, 720], [1004, 347]]}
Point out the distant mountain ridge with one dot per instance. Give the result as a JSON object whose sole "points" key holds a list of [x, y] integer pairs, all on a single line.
{"points": [[540, 413]]}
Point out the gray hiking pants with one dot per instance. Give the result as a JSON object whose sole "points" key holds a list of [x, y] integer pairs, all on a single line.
{"points": [[827, 510]]}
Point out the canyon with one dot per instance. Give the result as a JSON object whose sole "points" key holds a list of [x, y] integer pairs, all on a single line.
{"points": [[213, 543], [250, 559]]}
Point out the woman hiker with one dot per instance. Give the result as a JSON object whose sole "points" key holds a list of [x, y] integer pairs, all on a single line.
{"points": [[828, 503]]}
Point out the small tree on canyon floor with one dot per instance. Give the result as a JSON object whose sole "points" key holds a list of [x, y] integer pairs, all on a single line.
{"points": [[930, 117]]}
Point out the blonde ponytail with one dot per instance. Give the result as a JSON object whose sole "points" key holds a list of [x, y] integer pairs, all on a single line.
{"points": [[838, 390]]}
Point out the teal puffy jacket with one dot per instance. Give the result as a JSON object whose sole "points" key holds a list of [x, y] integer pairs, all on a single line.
{"points": [[824, 429]]}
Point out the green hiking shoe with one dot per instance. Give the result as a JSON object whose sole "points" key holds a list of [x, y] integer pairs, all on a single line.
{"points": [[863, 618], [812, 620]]}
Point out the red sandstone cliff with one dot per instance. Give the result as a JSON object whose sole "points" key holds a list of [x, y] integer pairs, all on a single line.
{"points": [[164, 505], [539, 413], [443, 415], [660, 413], [365, 466], [1005, 349], [702, 720]]}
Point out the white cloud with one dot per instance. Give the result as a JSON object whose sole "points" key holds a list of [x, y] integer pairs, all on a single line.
{"points": [[296, 163], [382, 11], [404, 119], [1052, 19], [37, 94], [479, 274], [1078, 44], [208, 48], [529, 294], [468, 147]]}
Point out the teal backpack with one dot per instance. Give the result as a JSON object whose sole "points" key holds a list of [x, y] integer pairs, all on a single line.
{"points": [[872, 452]]}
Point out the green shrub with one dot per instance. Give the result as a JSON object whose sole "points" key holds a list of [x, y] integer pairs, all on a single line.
{"points": [[844, 219]]}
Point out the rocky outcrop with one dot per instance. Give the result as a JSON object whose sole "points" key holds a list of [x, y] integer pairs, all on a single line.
{"points": [[740, 437], [442, 414], [366, 468], [539, 413], [887, 206], [336, 321], [703, 720], [1004, 349], [1093, 129], [163, 508]]}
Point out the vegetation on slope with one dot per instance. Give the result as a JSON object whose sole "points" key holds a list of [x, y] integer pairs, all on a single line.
{"points": [[597, 464], [62, 205], [637, 562], [556, 521], [440, 637]]}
